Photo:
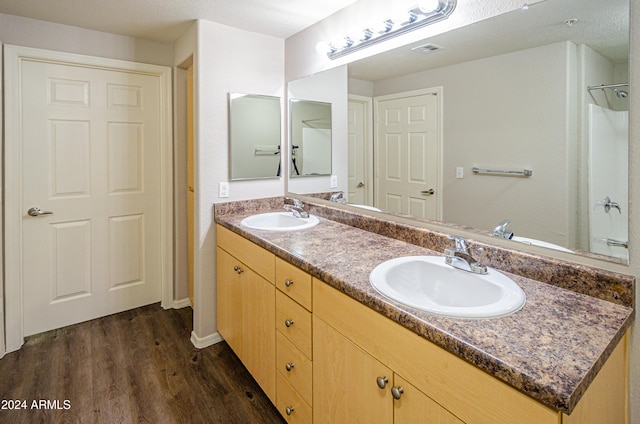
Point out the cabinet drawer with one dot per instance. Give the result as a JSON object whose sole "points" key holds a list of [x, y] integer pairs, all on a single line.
{"points": [[294, 322], [290, 404], [255, 257], [294, 282], [294, 366]]}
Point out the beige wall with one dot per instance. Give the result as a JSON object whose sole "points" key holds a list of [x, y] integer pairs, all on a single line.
{"points": [[226, 60], [46, 35]]}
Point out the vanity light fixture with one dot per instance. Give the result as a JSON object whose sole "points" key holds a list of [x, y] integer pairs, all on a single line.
{"points": [[426, 13]]}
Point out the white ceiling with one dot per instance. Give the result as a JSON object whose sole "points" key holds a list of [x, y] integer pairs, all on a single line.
{"points": [[166, 20]]}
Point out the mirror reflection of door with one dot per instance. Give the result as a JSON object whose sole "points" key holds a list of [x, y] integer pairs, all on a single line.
{"points": [[360, 183], [407, 151]]}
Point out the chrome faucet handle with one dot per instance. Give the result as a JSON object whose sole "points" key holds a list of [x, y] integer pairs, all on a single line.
{"points": [[461, 243], [338, 197], [609, 204], [501, 230], [295, 201], [461, 258]]}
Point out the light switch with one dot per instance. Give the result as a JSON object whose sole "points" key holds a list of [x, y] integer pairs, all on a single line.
{"points": [[459, 172], [224, 189], [334, 181]]}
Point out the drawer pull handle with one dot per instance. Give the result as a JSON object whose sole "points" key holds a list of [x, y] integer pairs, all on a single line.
{"points": [[288, 282], [238, 269], [289, 366], [288, 322], [396, 392], [382, 382], [289, 410]]}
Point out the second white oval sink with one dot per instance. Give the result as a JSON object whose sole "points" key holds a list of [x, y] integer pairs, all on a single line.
{"points": [[534, 242], [279, 221], [429, 284]]}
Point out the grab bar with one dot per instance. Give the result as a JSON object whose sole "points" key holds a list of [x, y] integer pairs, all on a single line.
{"points": [[523, 173]]}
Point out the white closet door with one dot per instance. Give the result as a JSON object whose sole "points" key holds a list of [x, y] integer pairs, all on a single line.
{"points": [[91, 156], [407, 152]]}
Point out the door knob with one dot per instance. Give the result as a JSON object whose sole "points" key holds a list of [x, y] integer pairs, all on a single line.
{"points": [[35, 211], [429, 192], [360, 184]]}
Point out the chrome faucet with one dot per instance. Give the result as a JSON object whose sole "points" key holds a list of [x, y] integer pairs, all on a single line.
{"points": [[461, 258], [296, 208], [501, 230], [338, 197]]}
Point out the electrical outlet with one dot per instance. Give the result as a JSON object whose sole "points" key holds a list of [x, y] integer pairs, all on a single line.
{"points": [[459, 172], [224, 189], [334, 181]]}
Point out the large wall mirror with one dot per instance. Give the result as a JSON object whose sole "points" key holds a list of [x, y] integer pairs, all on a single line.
{"points": [[310, 138], [254, 136], [521, 118]]}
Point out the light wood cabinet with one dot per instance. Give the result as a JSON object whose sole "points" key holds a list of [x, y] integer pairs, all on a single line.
{"points": [[345, 377], [466, 392], [229, 295], [352, 386], [326, 356], [415, 407], [246, 309], [294, 356]]}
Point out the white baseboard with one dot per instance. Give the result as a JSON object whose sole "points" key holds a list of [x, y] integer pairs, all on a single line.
{"points": [[202, 342], [179, 304]]}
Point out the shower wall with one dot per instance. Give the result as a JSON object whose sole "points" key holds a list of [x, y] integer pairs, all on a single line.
{"points": [[593, 70]]}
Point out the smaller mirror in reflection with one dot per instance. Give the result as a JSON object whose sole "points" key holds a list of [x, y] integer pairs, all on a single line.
{"points": [[254, 136], [310, 138]]}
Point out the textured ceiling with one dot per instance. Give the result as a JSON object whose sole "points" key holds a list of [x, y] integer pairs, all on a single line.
{"points": [[166, 20]]}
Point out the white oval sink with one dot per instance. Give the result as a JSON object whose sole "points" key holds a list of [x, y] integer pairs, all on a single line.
{"points": [[429, 284], [367, 207], [534, 242], [279, 221]]}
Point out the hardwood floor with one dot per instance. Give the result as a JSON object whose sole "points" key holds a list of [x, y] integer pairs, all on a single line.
{"points": [[134, 367]]}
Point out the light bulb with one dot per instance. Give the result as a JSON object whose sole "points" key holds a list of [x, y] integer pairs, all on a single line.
{"points": [[400, 19], [323, 47], [428, 6]]}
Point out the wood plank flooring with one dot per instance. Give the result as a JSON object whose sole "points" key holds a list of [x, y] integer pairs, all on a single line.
{"points": [[134, 367]]}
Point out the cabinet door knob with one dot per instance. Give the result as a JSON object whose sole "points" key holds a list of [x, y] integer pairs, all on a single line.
{"points": [[382, 382], [289, 366], [396, 392], [288, 282], [289, 410], [288, 322], [238, 269]]}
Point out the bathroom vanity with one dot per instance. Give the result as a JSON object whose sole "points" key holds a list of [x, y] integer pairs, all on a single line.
{"points": [[299, 311]]}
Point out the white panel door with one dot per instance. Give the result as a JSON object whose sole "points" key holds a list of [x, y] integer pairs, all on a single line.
{"points": [[356, 121], [407, 155], [91, 156]]}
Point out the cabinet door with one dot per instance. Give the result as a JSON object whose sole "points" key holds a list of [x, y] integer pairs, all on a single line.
{"points": [[345, 386], [229, 300], [415, 407], [258, 330]]}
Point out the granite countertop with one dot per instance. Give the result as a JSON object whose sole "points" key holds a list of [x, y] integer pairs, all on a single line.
{"points": [[551, 349]]}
